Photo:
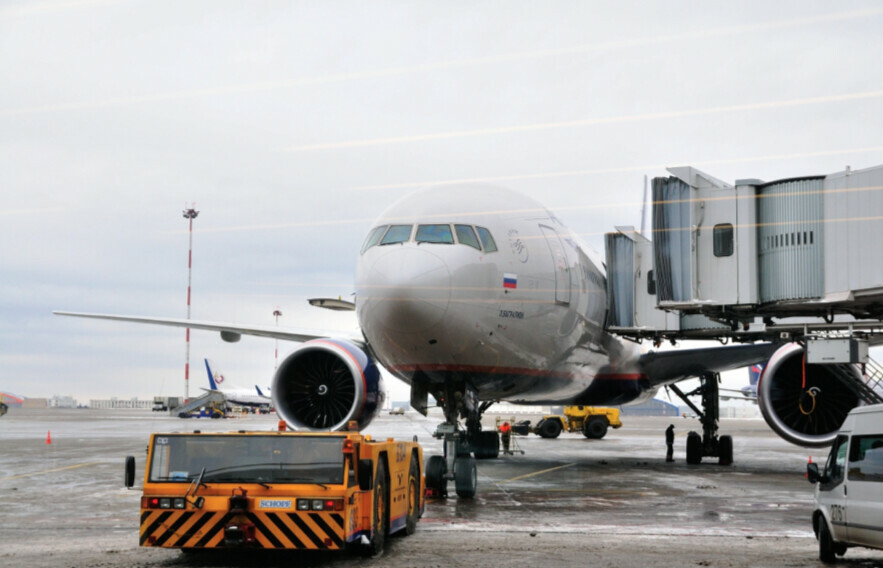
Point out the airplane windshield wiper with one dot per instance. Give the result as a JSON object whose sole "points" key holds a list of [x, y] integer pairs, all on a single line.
{"points": [[197, 482]]}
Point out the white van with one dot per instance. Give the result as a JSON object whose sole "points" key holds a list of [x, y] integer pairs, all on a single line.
{"points": [[849, 492]]}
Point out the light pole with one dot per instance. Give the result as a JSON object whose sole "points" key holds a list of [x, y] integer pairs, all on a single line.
{"points": [[189, 214], [276, 314]]}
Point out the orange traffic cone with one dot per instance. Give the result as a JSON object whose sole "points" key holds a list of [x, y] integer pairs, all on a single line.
{"points": [[48, 437]]}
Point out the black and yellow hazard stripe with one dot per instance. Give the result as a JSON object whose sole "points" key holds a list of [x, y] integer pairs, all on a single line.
{"points": [[205, 529]]}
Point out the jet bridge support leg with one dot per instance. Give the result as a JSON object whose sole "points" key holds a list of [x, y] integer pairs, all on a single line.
{"points": [[709, 444]]}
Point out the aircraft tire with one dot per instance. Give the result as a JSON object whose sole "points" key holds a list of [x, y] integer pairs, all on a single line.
{"points": [[488, 446], [436, 468], [463, 446], [550, 428], [694, 448], [725, 450], [465, 477], [596, 428]]}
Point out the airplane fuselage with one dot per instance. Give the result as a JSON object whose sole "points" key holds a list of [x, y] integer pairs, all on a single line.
{"points": [[500, 294]]}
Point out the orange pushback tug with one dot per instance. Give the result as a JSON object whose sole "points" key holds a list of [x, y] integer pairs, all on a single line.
{"points": [[278, 490]]}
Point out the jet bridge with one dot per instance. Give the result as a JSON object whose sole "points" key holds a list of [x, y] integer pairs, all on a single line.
{"points": [[753, 260]]}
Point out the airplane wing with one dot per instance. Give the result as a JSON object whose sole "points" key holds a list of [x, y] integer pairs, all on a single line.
{"points": [[733, 394], [230, 332], [667, 367]]}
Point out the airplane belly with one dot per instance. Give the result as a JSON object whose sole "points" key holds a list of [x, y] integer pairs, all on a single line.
{"points": [[522, 358]]}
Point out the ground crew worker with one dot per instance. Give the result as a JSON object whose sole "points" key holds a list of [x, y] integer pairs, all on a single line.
{"points": [[669, 443], [505, 434]]}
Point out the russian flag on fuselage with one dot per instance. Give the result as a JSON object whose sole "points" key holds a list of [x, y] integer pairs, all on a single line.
{"points": [[510, 280]]}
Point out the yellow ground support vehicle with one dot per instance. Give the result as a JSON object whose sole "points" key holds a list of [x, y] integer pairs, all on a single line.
{"points": [[592, 421], [278, 490]]}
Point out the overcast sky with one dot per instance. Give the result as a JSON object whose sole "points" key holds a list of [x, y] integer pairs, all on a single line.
{"points": [[292, 125]]}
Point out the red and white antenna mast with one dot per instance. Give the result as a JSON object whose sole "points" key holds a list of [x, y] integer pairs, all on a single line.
{"points": [[276, 314], [189, 213]]}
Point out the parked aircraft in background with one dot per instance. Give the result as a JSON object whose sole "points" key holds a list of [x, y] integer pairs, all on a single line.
{"points": [[749, 391], [475, 294], [234, 395]]}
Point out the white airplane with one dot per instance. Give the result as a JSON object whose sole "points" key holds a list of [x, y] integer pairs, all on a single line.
{"points": [[747, 392], [235, 395], [475, 294]]}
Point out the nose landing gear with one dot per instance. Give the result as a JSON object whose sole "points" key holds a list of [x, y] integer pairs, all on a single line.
{"points": [[457, 464]]}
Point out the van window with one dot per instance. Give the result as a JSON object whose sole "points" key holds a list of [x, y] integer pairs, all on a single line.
{"points": [[835, 469], [866, 458]]}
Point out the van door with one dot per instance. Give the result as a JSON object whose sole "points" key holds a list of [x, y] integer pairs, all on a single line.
{"points": [[832, 490], [865, 496]]}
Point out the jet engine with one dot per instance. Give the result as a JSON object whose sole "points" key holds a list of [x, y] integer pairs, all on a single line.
{"points": [[326, 383], [804, 403]]}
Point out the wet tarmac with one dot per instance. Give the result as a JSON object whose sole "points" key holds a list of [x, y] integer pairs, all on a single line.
{"points": [[565, 502]]}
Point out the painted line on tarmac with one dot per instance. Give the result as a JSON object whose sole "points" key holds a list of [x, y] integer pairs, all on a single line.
{"points": [[79, 465], [537, 473]]}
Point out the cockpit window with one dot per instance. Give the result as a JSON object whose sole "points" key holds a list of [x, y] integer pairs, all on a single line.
{"points": [[374, 237], [435, 234], [486, 239], [397, 234], [466, 236]]}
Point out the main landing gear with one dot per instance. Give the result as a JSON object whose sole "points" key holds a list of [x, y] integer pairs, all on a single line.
{"points": [[457, 464], [709, 444]]}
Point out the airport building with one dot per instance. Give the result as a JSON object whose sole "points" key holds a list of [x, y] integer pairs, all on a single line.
{"points": [[128, 404], [61, 402]]}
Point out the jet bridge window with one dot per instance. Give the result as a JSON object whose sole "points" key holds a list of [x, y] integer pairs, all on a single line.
{"points": [[466, 236], [435, 234], [396, 234], [487, 239], [723, 240], [374, 237]]}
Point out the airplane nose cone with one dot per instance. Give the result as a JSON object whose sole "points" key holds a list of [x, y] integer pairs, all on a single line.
{"points": [[407, 290]]}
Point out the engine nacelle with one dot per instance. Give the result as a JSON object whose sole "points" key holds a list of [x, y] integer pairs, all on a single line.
{"points": [[803, 403], [324, 384]]}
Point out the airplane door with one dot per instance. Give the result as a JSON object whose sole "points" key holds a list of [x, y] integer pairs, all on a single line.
{"points": [[560, 263]]}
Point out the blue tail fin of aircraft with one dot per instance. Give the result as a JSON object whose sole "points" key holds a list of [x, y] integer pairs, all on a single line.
{"points": [[754, 372], [211, 378]]}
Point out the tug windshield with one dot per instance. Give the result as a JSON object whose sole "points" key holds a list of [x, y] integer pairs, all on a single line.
{"points": [[248, 459]]}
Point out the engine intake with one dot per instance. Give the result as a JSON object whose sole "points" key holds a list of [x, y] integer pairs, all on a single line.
{"points": [[326, 383], [803, 403]]}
